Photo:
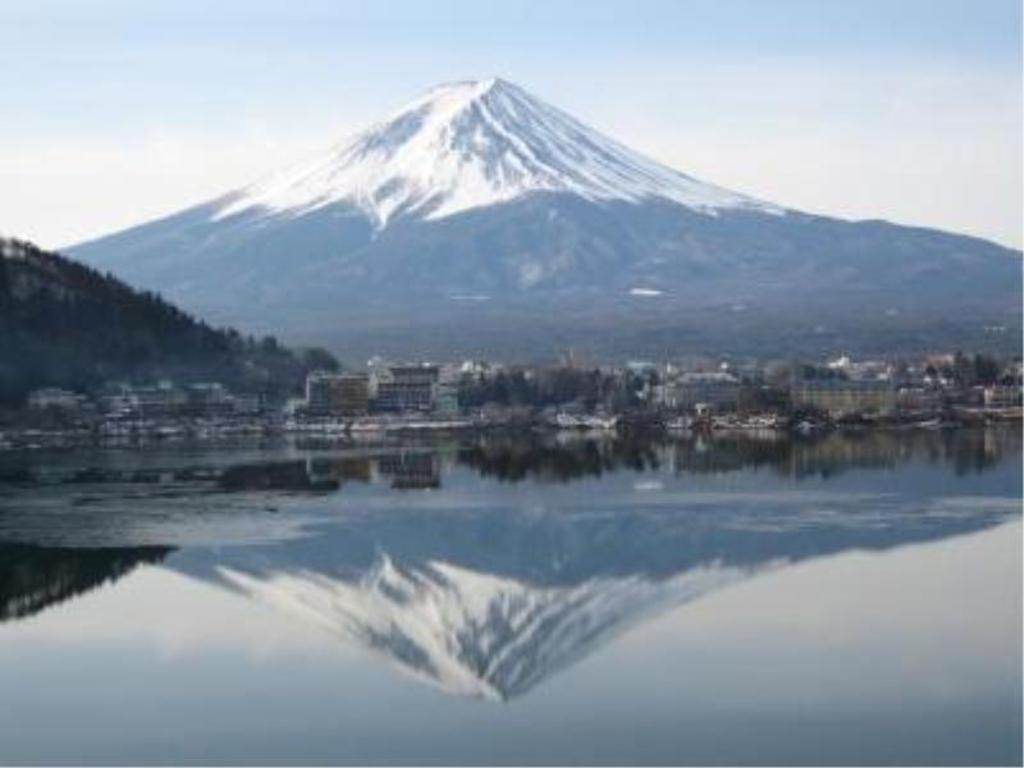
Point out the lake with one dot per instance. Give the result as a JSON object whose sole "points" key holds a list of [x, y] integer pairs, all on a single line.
{"points": [[502, 599]]}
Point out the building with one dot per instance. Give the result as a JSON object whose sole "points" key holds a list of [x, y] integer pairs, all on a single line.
{"points": [[919, 398], [407, 388], [861, 369], [116, 399], [147, 402], [294, 406], [446, 393], [719, 391], [209, 400], [1002, 396], [162, 401], [319, 392], [54, 398], [840, 397], [247, 404], [337, 394]]}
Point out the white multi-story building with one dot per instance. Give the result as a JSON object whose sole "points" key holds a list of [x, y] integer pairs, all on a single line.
{"points": [[718, 390]]}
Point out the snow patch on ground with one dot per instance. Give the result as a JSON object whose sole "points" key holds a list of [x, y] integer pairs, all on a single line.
{"points": [[645, 292], [472, 297]]}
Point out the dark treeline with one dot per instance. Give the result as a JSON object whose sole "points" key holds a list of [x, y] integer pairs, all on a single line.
{"points": [[33, 578], [66, 325]]}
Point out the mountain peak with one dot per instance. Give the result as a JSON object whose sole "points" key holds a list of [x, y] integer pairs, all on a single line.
{"points": [[453, 95], [469, 144], [470, 88]]}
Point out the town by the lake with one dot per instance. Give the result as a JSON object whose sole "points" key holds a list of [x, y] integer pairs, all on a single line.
{"points": [[937, 391]]}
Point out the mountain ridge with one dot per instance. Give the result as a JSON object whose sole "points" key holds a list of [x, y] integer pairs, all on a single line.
{"points": [[479, 206]]}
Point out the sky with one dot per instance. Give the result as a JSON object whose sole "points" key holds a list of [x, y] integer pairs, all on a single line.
{"points": [[117, 112]]}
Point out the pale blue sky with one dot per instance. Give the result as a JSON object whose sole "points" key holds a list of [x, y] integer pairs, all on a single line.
{"points": [[114, 112]]}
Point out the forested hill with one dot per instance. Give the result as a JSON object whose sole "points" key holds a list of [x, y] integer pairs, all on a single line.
{"points": [[65, 324]]}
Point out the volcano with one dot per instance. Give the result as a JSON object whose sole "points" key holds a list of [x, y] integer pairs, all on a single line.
{"points": [[480, 220]]}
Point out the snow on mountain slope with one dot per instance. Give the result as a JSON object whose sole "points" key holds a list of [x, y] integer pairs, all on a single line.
{"points": [[480, 190], [470, 633], [472, 144]]}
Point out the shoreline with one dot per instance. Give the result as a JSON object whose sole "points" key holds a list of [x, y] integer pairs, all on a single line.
{"points": [[365, 431]]}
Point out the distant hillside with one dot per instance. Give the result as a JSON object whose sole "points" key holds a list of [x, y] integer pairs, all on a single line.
{"points": [[64, 324]]}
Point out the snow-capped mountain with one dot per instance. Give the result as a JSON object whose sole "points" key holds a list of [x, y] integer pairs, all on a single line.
{"points": [[479, 208], [469, 145]]}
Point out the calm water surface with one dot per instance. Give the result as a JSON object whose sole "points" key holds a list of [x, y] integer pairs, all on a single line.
{"points": [[850, 599]]}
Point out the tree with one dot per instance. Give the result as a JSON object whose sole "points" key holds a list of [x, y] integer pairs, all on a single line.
{"points": [[986, 369], [319, 359], [963, 369], [71, 326]]}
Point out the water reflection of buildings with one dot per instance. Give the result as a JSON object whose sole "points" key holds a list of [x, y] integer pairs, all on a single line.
{"points": [[833, 453], [966, 450], [324, 473], [339, 470], [549, 459], [403, 470], [508, 458], [408, 471]]}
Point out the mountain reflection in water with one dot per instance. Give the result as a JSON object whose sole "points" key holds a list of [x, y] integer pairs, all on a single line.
{"points": [[431, 555]]}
